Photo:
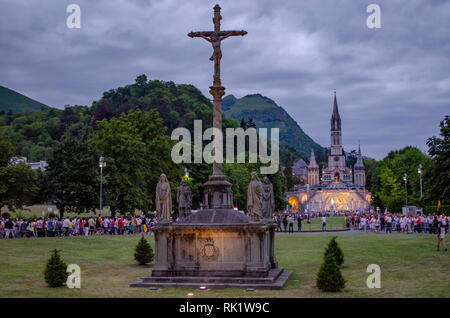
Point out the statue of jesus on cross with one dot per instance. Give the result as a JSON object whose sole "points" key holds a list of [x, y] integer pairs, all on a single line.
{"points": [[215, 37]]}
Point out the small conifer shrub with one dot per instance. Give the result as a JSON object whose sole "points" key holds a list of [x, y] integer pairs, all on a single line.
{"points": [[329, 278], [55, 272], [335, 250], [143, 253]]}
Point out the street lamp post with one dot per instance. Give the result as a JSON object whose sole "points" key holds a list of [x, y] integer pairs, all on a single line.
{"points": [[405, 178], [101, 164], [420, 174]]}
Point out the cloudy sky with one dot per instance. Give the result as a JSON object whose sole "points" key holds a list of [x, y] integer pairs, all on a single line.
{"points": [[393, 83]]}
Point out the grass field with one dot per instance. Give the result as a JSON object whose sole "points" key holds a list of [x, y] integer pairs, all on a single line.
{"points": [[410, 267]]}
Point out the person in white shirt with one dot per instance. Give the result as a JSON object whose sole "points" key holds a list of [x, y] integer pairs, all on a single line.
{"points": [[66, 224], [363, 224], [441, 235], [324, 223]]}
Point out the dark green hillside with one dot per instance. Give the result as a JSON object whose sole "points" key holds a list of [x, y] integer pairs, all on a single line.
{"points": [[36, 133], [17, 102], [266, 113]]}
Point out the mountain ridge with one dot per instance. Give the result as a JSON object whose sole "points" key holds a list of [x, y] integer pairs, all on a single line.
{"points": [[266, 113], [17, 102]]}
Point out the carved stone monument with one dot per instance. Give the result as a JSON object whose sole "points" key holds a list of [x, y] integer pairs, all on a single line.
{"points": [[218, 246]]}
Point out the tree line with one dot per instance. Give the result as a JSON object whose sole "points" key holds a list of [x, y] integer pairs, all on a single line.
{"points": [[130, 128]]}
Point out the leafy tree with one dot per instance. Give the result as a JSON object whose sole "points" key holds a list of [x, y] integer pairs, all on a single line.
{"points": [[239, 175], [71, 179], [17, 187], [351, 158], [243, 124], [68, 117], [392, 193], [6, 150], [386, 179], [55, 272], [103, 110], [288, 173], [143, 252], [137, 152], [436, 174], [141, 80], [251, 123]]}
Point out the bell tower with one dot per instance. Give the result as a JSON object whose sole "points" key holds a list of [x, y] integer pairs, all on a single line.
{"points": [[336, 157]]}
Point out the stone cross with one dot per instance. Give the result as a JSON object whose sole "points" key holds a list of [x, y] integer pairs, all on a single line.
{"points": [[217, 90]]}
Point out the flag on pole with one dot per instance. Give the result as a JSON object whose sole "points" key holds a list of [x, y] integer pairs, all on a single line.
{"points": [[439, 205]]}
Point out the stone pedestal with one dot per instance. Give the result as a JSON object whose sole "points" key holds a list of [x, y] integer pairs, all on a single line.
{"points": [[217, 193], [216, 248]]}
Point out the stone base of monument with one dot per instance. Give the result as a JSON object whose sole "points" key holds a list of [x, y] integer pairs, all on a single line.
{"points": [[216, 248]]}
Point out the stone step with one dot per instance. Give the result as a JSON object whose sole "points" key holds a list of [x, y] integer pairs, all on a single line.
{"points": [[273, 275], [277, 279]]}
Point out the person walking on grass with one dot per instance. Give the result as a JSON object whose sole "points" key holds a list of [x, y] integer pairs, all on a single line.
{"points": [[285, 222], [290, 220], [299, 223], [86, 227], [324, 223], [441, 236], [389, 224], [91, 226], [279, 229], [9, 228]]}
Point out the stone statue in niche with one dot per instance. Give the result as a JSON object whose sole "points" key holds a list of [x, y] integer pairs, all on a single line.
{"points": [[184, 199], [254, 198], [268, 201]]}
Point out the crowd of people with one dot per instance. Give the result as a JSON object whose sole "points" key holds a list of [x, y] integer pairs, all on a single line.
{"points": [[393, 222], [77, 226], [388, 222], [120, 225]]}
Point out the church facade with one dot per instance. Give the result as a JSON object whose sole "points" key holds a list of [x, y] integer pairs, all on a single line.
{"points": [[337, 188]]}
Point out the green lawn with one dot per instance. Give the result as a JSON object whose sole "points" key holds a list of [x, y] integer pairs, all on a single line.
{"points": [[333, 223], [410, 267]]}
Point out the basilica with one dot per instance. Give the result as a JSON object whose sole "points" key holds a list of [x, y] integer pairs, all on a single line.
{"points": [[337, 188]]}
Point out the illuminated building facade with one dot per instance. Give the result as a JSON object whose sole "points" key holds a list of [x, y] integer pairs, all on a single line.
{"points": [[337, 189]]}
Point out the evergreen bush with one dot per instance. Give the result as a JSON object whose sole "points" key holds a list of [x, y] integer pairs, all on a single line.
{"points": [[55, 272], [143, 253], [329, 278], [333, 249]]}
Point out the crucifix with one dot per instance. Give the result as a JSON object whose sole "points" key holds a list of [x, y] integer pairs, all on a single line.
{"points": [[216, 90]]}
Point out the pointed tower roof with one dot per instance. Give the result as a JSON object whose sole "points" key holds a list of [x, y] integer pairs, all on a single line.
{"points": [[312, 161], [335, 117], [359, 162]]}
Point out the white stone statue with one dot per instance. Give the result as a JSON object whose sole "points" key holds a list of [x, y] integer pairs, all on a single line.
{"points": [[163, 199]]}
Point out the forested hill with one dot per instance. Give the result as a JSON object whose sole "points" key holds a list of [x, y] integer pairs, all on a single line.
{"points": [[264, 112], [16, 102], [36, 133]]}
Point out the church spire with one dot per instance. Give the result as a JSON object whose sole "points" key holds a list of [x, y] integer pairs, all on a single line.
{"points": [[335, 117], [359, 161], [312, 160]]}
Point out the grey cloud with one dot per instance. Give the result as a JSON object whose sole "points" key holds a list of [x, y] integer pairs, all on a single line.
{"points": [[393, 84]]}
